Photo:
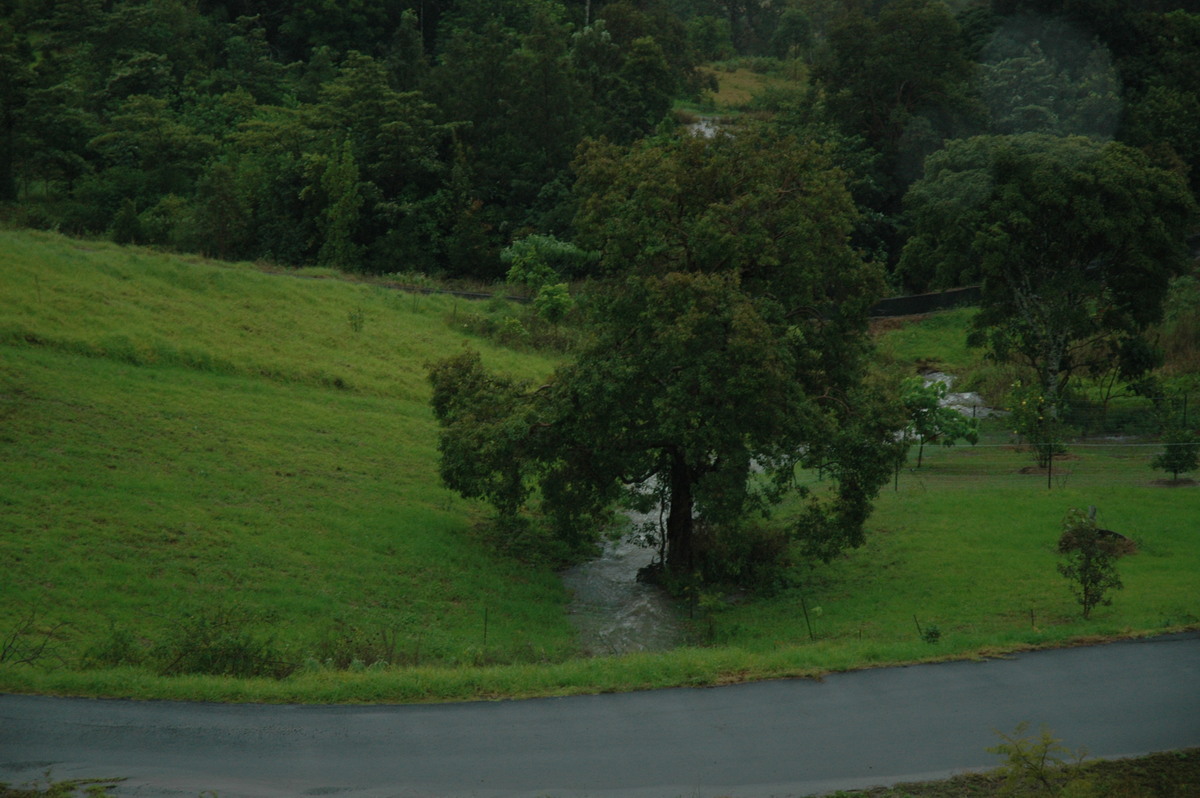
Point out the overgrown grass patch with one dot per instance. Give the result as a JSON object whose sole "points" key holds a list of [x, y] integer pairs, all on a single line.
{"points": [[1172, 774], [741, 80]]}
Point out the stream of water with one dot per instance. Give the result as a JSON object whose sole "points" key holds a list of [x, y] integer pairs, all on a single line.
{"points": [[615, 613]]}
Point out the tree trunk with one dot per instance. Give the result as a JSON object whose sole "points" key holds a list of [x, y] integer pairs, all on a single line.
{"points": [[680, 550], [8, 184]]}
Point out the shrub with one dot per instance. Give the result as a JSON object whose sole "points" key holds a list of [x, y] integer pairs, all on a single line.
{"points": [[1036, 765], [219, 642], [1091, 556], [1180, 454], [118, 648], [1039, 421]]}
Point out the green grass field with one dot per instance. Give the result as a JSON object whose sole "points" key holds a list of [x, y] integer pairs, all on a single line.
{"points": [[200, 454]]}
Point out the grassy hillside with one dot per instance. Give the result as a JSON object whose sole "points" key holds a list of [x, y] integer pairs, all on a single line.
{"points": [[202, 463], [195, 443]]}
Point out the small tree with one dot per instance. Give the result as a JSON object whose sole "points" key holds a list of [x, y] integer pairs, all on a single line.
{"points": [[539, 264], [1036, 764], [931, 422], [1180, 454], [553, 302], [1039, 421], [126, 227], [1091, 556], [537, 260]]}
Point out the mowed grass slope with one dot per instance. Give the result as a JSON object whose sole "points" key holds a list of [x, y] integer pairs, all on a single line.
{"points": [[966, 544], [186, 439]]}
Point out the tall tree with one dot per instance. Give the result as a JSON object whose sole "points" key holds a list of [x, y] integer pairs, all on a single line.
{"points": [[16, 80], [1047, 76], [1074, 242], [883, 74], [728, 351]]}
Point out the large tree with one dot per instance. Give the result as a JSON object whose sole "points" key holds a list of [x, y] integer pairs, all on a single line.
{"points": [[729, 340], [899, 79], [1074, 242]]}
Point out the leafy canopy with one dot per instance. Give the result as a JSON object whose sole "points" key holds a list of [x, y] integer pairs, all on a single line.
{"points": [[929, 421], [1073, 241], [728, 347]]}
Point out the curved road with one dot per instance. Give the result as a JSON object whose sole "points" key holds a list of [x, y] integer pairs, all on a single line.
{"points": [[791, 737]]}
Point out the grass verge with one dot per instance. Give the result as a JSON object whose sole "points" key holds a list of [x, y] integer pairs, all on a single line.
{"points": [[1173, 774]]}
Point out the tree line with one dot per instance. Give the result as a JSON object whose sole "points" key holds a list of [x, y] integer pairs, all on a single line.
{"points": [[428, 135]]}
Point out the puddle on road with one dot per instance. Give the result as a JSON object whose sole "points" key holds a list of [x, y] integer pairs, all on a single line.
{"points": [[615, 613]]}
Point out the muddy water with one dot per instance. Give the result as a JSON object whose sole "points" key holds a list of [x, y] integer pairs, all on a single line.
{"points": [[616, 614]]}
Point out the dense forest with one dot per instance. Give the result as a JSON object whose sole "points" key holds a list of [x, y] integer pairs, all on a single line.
{"points": [[430, 135]]}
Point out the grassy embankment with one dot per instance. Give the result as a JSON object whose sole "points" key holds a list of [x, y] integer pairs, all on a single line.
{"points": [[188, 443]]}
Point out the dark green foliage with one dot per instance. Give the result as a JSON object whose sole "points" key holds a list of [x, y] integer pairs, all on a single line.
{"points": [[711, 37], [1046, 76], [1180, 454], [1074, 241], [728, 340], [463, 115], [900, 80], [793, 35], [461, 119], [126, 228], [221, 214], [16, 82], [483, 458]]}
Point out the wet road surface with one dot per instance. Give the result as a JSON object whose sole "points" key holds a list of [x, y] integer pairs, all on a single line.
{"points": [[790, 737]]}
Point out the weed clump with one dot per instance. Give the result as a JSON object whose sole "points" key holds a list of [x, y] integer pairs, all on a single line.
{"points": [[219, 642]]}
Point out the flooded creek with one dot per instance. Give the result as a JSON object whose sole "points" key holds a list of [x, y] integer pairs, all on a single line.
{"points": [[615, 613]]}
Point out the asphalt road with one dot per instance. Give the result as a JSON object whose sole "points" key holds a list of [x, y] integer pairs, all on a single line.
{"points": [[791, 737]]}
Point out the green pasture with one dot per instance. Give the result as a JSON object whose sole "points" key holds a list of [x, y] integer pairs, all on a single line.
{"points": [[187, 444], [966, 545]]}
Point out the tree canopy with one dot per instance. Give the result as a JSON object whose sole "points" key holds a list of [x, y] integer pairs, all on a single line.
{"points": [[728, 351], [1073, 241], [463, 116]]}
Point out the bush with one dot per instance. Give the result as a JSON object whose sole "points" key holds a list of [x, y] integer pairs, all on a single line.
{"points": [[118, 648], [753, 555], [126, 227], [1181, 452], [1037, 765], [218, 642], [348, 644], [1039, 422], [1091, 556]]}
